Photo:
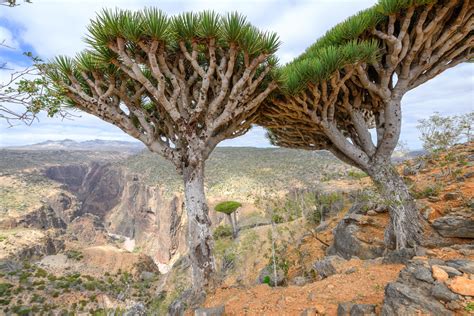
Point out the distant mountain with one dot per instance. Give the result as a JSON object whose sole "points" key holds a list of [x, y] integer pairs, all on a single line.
{"points": [[88, 145]]}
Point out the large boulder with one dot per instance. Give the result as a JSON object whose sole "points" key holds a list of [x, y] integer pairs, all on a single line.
{"points": [[418, 290], [347, 242], [459, 224], [328, 266]]}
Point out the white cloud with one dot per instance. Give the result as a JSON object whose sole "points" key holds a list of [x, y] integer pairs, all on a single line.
{"points": [[57, 27], [6, 39]]}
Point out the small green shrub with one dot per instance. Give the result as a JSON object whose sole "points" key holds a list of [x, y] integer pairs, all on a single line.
{"points": [[5, 289], [222, 231], [74, 254], [357, 175], [267, 280], [431, 190], [469, 307], [41, 273]]}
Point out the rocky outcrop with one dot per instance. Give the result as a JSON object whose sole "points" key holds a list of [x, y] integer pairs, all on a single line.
{"points": [[156, 223], [98, 186], [88, 230], [50, 245], [328, 266], [349, 242], [457, 224], [127, 207], [43, 218], [428, 287]]}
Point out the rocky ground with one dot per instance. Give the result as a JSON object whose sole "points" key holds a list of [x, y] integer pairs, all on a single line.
{"points": [[100, 238], [351, 274]]}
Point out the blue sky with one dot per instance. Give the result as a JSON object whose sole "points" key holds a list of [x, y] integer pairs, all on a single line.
{"points": [[49, 27]]}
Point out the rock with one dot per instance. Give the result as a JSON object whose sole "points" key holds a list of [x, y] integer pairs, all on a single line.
{"points": [[344, 309], [309, 312], [423, 274], [351, 270], [371, 213], [362, 310], [453, 305], [439, 274], [350, 309], [451, 196], [299, 281], [451, 271], [346, 243], [268, 271], [441, 292], [403, 299], [433, 199], [327, 266], [147, 275], [468, 175], [466, 266], [459, 224], [408, 171], [211, 311], [7, 266], [137, 309], [462, 285], [399, 256]]}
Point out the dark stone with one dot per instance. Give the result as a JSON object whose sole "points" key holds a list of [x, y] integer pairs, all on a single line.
{"points": [[327, 266], [346, 244], [452, 272], [402, 299], [423, 274], [362, 310], [299, 281], [451, 196], [344, 309], [441, 292], [211, 311], [268, 271], [459, 224], [399, 256], [309, 312], [466, 266], [187, 299]]}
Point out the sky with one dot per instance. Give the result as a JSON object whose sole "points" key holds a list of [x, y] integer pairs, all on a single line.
{"points": [[53, 27]]}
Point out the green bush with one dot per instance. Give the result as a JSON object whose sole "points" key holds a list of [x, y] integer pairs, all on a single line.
{"points": [[267, 280], [227, 207], [357, 175], [222, 231], [74, 254]]}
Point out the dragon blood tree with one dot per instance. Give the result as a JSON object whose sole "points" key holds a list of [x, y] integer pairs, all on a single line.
{"points": [[353, 80], [180, 85]]}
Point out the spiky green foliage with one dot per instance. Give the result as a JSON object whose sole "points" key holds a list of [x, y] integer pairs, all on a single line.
{"points": [[151, 24], [342, 45], [227, 207]]}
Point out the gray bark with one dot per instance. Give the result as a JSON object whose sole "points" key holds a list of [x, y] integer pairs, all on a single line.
{"points": [[233, 223], [404, 229], [200, 240]]}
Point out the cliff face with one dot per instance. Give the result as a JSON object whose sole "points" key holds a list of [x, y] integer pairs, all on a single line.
{"points": [[126, 205]]}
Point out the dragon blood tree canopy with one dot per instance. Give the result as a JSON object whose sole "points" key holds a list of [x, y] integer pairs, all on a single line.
{"points": [[174, 83], [348, 80]]}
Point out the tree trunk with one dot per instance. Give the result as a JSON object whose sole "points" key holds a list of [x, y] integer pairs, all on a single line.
{"points": [[200, 240], [233, 223], [404, 229]]}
